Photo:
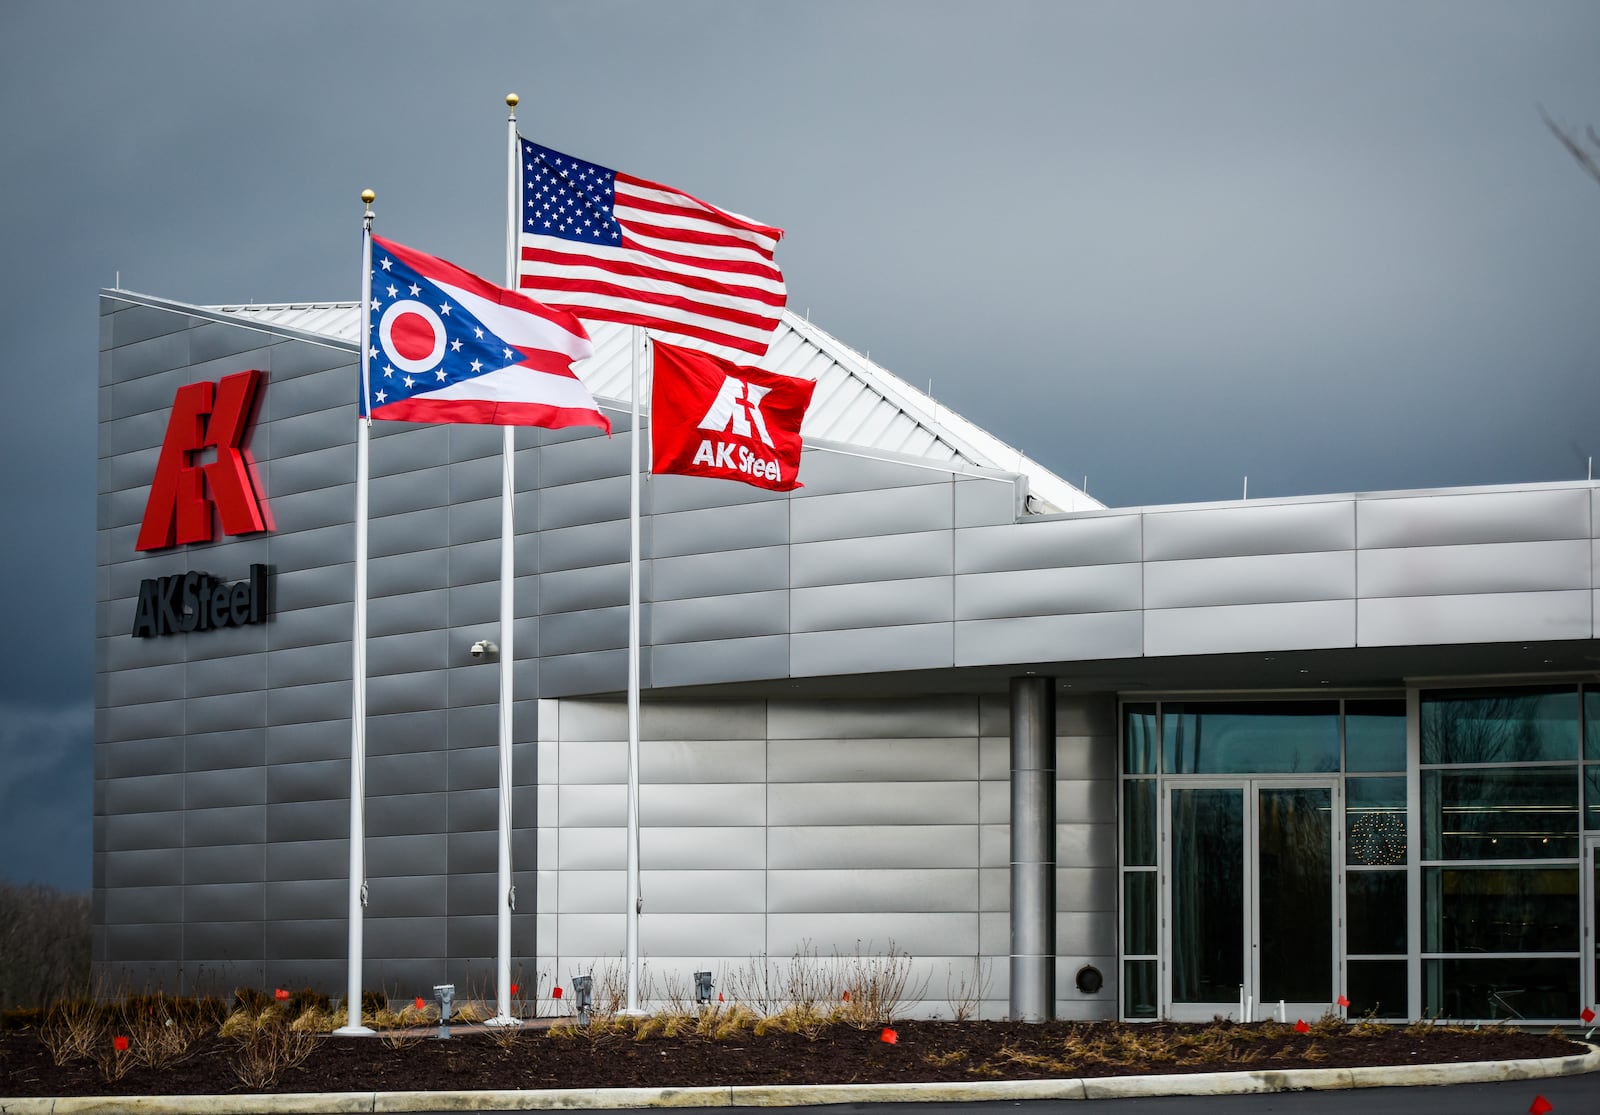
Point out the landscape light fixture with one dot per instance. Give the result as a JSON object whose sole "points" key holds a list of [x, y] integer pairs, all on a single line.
{"points": [[445, 995], [582, 996]]}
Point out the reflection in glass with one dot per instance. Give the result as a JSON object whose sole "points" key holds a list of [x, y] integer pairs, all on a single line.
{"points": [[1374, 735], [1250, 737], [1501, 987], [1139, 822], [1518, 813], [1375, 821], [1525, 725], [1375, 912], [1139, 739], [1500, 909], [1139, 904], [1591, 723], [1377, 988], [1294, 856], [1139, 988], [1207, 895], [1591, 796]]}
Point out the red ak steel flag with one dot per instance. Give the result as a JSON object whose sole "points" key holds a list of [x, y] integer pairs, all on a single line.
{"points": [[710, 417]]}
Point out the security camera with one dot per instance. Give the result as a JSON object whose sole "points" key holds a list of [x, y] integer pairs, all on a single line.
{"points": [[483, 647]]}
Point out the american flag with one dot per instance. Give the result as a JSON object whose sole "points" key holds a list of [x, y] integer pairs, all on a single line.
{"points": [[611, 247]]}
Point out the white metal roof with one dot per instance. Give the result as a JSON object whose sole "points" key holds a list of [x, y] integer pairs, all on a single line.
{"points": [[857, 402]]}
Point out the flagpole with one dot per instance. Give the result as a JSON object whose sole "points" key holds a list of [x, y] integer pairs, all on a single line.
{"points": [[358, 642], [506, 891], [635, 896]]}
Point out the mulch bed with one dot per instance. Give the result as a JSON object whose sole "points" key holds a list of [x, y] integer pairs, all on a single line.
{"points": [[922, 1052]]}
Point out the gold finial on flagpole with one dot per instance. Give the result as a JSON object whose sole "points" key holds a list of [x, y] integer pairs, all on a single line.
{"points": [[513, 100], [368, 197]]}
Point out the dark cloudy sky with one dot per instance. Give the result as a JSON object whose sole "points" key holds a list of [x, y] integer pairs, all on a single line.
{"points": [[1330, 246]]}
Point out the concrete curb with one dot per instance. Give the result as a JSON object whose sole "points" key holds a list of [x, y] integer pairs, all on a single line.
{"points": [[588, 1099]]}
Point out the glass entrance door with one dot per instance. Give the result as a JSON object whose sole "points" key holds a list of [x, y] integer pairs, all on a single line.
{"points": [[1250, 873]]}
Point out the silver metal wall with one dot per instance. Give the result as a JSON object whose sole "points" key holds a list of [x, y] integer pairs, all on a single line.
{"points": [[222, 758], [879, 566], [221, 769], [773, 827]]}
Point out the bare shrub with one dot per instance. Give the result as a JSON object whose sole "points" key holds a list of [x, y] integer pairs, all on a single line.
{"points": [[114, 1056], [678, 996], [965, 993], [755, 985], [160, 1032], [879, 986], [609, 991], [810, 986], [264, 1052], [72, 1030]]}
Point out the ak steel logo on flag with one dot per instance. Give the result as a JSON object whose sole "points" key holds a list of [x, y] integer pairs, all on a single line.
{"points": [[205, 416], [710, 417]]}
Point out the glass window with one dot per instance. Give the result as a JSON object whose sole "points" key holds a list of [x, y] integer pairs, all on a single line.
{"points": [[1139, 739], [1500, 909], [1500, 725], [1516, 813], [1374, 735], [1377, 989], [1250, 737], [1139, 822], [1375, 913], [1139, 988], [1591, 795], [1375, 821], [1139, 906], [1591, 723], [1501, 987]]}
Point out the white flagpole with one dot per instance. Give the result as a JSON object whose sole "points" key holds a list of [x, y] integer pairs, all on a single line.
{"points": [[635, 897], [506, 892], [358, 642]]}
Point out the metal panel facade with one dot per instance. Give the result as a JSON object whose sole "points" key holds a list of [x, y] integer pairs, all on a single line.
{"points": [[773, 823], [858, 828]]}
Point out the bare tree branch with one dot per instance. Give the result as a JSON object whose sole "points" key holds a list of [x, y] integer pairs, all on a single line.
{"points": [[1585, 158]]}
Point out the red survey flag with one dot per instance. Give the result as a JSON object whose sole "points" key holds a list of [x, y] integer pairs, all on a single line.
{"points": [[1541, 1106], [612, 247], [447, 346], [713, 418]]}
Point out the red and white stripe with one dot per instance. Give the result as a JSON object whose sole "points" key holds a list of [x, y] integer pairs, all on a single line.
{"points": [[692, 273]]}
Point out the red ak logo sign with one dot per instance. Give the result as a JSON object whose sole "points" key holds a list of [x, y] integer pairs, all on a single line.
{"points": [[205, 416], [714, 418]]}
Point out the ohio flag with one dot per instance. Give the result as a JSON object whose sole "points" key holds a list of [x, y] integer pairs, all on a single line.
{"points": [[447, 346]]}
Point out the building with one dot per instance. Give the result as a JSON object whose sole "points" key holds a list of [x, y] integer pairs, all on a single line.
{"points": [[1074, 760]]}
